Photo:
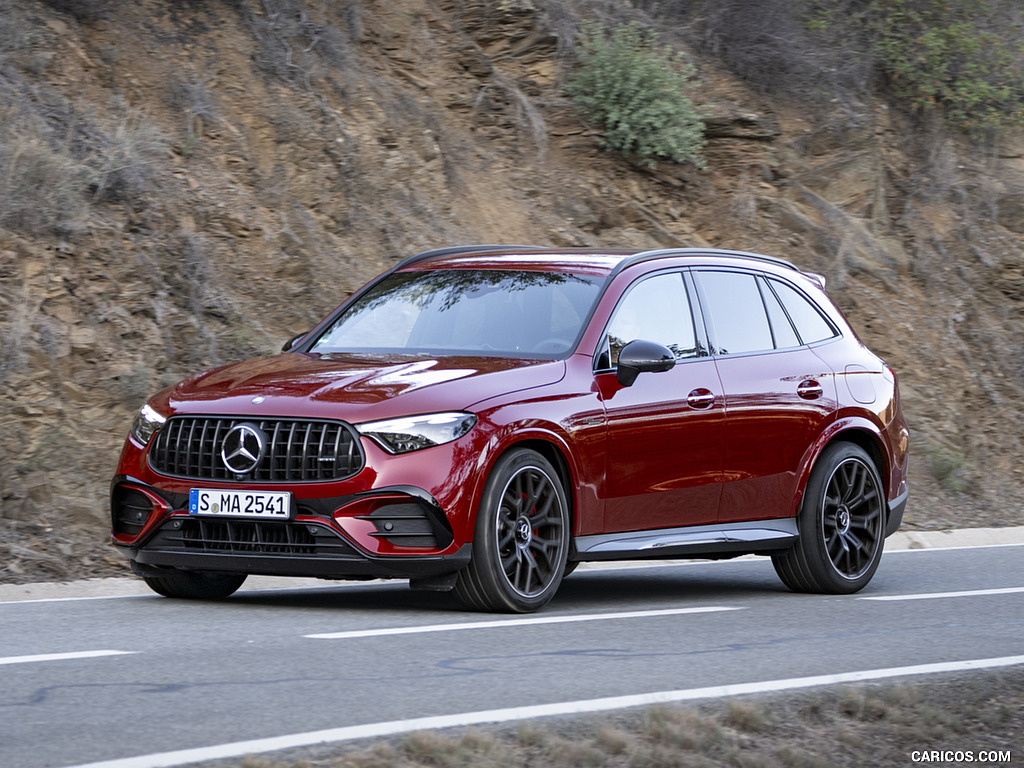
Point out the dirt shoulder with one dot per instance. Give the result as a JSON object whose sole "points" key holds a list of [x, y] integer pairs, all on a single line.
{"points": [[861, 726]]}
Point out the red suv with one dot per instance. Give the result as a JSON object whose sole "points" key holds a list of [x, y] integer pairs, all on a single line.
{"points": [[481, 419]]}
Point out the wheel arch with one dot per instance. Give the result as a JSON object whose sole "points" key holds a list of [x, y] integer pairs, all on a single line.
{"points": [[871, 443], [557, 455], [859, 432], [548, 445]]}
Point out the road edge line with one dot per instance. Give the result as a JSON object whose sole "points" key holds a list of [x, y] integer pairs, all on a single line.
{"points": [[511, 714]]}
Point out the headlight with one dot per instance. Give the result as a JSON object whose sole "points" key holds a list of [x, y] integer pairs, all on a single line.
{"points": [[147, 422], [412, 433]]}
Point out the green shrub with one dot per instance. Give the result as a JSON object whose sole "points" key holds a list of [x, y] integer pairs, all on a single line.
{"points": [[636, 91], [957, 56]]}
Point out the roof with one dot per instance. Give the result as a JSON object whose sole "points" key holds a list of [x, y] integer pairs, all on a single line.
{"points": [[591, 260]]}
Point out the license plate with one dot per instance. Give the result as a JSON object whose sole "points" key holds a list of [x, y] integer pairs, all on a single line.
{"points": [[274, 505]]}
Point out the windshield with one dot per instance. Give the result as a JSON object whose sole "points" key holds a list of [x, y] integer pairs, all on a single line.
{"points": [[508, 313]]}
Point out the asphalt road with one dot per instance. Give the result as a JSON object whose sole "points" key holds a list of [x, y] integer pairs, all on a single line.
{"points": [[101, 679]]}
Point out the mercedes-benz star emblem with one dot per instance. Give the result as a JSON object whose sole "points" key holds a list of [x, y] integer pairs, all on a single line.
{"points": [[242, 448]]}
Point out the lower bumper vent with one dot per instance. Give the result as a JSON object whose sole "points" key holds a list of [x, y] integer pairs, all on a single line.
{"points": [[130, 511], [408, 524], [249, 537]]}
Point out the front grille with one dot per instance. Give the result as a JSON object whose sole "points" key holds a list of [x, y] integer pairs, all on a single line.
{"points": [[250, 537], [294, 450]]}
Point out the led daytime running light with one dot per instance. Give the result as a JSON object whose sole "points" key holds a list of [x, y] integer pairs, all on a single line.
{"points": [[147, 422], [413, 433]]}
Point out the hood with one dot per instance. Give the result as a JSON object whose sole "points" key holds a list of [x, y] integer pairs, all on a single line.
{"points": [[355, 387]]}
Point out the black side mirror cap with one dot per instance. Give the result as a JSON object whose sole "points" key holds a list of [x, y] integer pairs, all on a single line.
{"points": [[288, 345], [641, 356]]}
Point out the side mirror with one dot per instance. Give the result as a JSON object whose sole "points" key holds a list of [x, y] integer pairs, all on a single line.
{"points": [[293, 341], [641, 356]]}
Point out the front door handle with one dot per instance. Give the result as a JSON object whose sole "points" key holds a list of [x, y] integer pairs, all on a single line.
{"points": [[700, 399], [809, 389]]}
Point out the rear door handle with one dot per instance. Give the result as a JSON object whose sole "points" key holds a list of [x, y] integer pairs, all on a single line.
{"points": [[700, 399], [809, 389]]}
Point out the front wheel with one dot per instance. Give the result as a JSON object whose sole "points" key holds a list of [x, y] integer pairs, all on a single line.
{"points": [[841, 523], [521, 539], [192, 585]]}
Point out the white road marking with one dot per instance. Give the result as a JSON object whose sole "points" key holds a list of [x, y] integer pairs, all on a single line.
{"points": [[390, 728], [77, 599], [61, 656], [939, 595], [531, 621]]}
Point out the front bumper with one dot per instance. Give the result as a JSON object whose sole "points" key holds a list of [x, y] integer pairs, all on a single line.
{"points": [[393, 532], [155, 557]]}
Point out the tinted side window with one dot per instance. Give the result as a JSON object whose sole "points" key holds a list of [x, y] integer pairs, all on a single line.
{"points": [[810, 323], [735, 313], [656, 309]]}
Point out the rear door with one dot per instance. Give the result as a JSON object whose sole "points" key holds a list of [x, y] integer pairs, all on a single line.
{"points": [[779, 395]]}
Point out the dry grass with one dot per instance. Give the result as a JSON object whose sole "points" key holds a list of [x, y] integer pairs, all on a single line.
{"points": [[861, 726], [40, 186]]}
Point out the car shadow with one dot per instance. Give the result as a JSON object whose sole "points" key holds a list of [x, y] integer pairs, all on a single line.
{"points": [[604, 589], [628, 586]]}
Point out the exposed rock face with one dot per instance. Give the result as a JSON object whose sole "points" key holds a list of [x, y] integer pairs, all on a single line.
{"points": [[725, 120], [241, 167]]}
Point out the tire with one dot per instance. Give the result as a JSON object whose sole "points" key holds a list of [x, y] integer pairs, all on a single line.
{"points": [[192, 585], [521, 538], [841, 524]]}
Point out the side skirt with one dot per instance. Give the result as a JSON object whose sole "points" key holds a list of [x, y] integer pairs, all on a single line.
{"points": [[728, 539]]}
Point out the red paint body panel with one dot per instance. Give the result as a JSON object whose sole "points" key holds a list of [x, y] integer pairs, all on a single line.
{"points": [[665, 458], [769, 429]]}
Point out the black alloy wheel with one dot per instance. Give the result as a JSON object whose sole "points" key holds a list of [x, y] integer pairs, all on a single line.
{"points": [[842, 525], [522, 537]]}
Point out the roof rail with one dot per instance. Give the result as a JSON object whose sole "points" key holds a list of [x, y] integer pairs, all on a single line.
{"points": [[455, 250], [660, 252], [626, 262]]}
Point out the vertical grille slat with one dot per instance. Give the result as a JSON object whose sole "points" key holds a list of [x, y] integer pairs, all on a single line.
{"points": [[202, 445], [304, 464], [320, 447], [177, 447], [290, 462], [337, 449], [305, 450], [190, 457], [275, 449]]}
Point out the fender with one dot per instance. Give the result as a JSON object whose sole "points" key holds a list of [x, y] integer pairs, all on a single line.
{"points": [[581, 490], [865, 430]]}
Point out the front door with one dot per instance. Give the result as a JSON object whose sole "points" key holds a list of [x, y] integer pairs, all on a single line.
{"points": [[665, 430]]}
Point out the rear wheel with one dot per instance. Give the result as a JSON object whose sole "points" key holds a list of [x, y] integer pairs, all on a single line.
{"points": [[842, 525], [521, 538], [192, 585]]}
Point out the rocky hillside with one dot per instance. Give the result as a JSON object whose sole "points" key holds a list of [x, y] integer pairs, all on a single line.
{"points": [[190, 183]]}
